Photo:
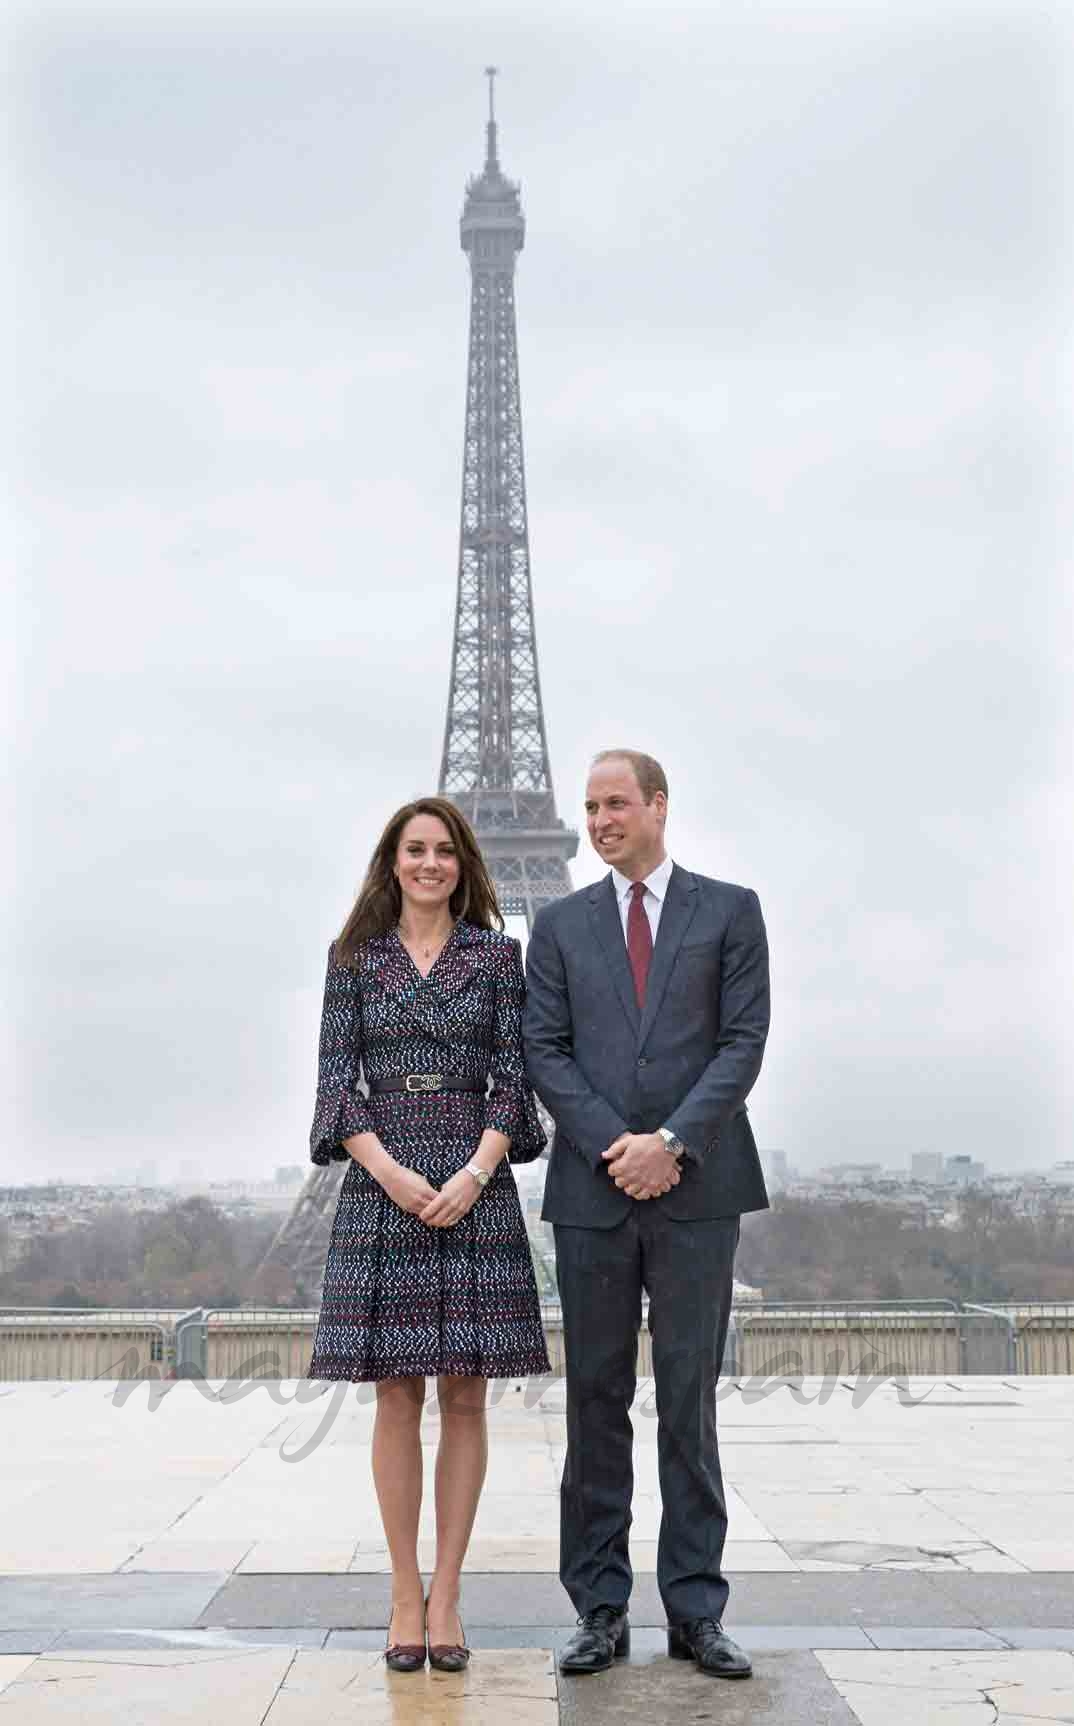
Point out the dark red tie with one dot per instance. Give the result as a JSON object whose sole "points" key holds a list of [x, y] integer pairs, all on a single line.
{"points": [[639, 940]]}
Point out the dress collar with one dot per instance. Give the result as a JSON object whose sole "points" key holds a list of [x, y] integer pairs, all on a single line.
{"points": [[429, 1001]]}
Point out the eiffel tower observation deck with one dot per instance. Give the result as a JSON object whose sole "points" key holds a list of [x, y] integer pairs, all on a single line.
{"points": [[495, 766]]}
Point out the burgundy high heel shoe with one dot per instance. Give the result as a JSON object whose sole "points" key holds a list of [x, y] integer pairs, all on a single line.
{"points": [[403, 1656], [449, 1656]]}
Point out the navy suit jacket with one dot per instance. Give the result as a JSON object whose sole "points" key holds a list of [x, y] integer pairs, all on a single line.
{"points": [[688, 1061]]}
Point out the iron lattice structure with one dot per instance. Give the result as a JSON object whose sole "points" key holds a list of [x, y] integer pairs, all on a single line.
{"points": [[495, 765]]}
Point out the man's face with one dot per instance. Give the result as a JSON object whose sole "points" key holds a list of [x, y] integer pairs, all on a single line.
{"points": [[624, 830]]}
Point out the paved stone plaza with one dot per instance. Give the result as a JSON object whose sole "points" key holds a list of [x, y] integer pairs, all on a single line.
{"points": [[897, 1552]]}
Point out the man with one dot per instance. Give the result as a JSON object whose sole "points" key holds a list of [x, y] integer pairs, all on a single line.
{"points": [[645, 1025]]}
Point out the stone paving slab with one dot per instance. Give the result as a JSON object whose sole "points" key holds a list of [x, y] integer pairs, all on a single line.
{"points": [[516, 1685], [920, 1636], [222, 1688], [1026, 1636], [1007, 1688], [880, 1598], [854, 1555], [1046, 1601], [110, 1602], [13, 1641], [291, 1637], [791, 1689]]}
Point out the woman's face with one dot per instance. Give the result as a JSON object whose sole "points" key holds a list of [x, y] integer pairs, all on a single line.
{"points": [[426, 863]]}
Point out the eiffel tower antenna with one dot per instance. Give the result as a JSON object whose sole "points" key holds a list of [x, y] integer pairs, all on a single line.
{"points": [[490, 151], [495, 766]]}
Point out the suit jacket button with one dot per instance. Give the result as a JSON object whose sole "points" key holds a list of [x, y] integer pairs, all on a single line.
{"points": [[641, 1060]]}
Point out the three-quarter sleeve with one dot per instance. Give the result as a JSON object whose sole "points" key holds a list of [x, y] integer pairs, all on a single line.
{"points": [[512, 1108], [341, 1110]]}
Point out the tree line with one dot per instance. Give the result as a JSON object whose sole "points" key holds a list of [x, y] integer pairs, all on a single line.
{"points": [[191, 1253], [806, 1249]]}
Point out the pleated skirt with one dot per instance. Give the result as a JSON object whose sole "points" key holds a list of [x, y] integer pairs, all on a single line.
{"points": [[401, 1299]]}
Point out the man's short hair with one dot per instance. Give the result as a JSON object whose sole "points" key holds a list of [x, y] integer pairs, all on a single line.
{"points": [[648, 772]]}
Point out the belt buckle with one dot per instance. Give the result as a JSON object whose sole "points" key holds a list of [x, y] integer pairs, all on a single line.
{"points": [[424, 1081]]}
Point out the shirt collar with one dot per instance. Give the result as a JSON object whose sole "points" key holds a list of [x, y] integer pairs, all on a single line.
{"points": [[656, 883]]}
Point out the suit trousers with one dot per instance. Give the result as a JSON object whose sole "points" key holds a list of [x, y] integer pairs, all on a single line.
{"points": [[686, 1269]]}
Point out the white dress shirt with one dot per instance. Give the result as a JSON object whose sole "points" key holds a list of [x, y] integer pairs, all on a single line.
{"points": [[656, 887]]}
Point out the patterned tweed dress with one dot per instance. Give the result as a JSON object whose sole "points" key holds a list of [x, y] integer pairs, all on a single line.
{"points": [[400, 1298]]}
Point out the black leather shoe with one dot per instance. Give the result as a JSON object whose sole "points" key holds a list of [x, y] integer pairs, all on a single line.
{"points": [[602, 1636], [706, 1641]]}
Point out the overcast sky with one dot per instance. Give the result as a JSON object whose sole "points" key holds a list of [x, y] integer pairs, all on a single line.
{"points": [[793, 336]]}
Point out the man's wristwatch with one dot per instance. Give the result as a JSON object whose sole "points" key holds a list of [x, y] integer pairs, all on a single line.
{"points": [[481, 1176], [671, 1143]]}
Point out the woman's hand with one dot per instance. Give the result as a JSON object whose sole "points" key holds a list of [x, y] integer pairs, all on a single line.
{"points": [[406, 1188], [454, 1199]]}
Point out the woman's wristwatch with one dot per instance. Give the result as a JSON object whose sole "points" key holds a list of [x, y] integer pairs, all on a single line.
{"points": [[481, 1176]]}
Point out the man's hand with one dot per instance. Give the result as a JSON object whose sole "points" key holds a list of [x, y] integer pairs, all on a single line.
{"points": [[642, 1165], [454, 1199]]}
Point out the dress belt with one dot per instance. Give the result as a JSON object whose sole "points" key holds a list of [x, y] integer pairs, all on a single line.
{"points": [[426, 1082]]}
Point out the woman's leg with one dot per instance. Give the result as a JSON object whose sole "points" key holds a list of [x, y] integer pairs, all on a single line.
{"points": [[460, 1473], [397, 1475]]}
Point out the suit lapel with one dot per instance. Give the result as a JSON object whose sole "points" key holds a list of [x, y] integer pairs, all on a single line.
{"points": [[679, 906], [608, 928]]}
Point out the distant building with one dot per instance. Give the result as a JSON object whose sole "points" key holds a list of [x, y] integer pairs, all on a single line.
{"points": [[964, 1172], [777, 1170], [927, 1166], [851, 1174]]}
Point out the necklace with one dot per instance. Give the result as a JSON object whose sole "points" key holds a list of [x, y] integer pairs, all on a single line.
{"points": [[427, 948]]}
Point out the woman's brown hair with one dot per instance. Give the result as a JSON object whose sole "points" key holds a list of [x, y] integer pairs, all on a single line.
{"points": [[377, 907]]}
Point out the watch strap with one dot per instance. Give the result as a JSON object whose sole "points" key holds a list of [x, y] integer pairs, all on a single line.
{"points": [[672, 1143]]}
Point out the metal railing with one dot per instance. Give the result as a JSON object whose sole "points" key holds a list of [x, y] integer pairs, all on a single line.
{"points": [[246, 1343], [1044, 1338], [766, 1339], [795, 1339], [73, 1343], [1039, 1335]]}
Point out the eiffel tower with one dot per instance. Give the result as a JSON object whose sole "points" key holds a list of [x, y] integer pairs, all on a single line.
{"points": [[494, 766]]}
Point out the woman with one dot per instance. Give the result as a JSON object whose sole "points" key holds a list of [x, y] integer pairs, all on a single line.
{"points": [[429, 1269]]}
